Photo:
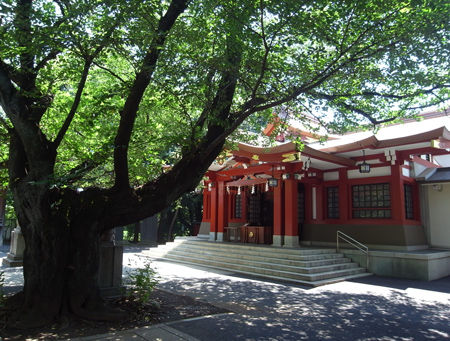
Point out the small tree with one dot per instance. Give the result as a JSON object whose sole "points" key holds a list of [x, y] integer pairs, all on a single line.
{"points": [[100, 95]]}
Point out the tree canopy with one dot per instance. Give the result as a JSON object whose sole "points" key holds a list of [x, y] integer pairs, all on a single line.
{"points": [[101, 95], [363, 62]]}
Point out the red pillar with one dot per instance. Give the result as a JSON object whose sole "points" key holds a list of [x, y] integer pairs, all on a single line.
{"points": [[290, 213], [278, 213], [213, 220], [222, 220], [206, 206]]}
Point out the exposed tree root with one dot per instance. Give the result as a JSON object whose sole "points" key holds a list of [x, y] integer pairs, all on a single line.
{"points": [[95, 310], [17, 316]]}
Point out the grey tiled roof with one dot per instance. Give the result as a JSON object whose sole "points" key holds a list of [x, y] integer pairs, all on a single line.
{"points": [[439, 175]]}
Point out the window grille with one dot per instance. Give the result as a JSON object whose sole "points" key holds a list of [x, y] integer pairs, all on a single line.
{"points": [[332, 202], [409, 207], [238, 206], [371, 201]]}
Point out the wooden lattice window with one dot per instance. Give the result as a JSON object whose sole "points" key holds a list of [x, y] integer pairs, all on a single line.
{"points": [[371, 201], [409, 206], [238, 206], [333, 202]]}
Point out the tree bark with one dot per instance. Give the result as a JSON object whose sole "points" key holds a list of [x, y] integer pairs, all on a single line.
{"points": [[61, 226], [61, 257], [172, 223]]}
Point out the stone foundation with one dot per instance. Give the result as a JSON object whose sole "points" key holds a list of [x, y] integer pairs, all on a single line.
{"points": [[291, 241], [424, 265], [388, 237]]}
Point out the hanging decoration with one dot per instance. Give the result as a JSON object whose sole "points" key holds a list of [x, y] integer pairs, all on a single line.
{"points": [[272, 181], [364, 167], [306, 164]]}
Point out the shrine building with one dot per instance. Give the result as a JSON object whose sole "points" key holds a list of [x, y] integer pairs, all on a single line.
{"points": [[389, 190]]}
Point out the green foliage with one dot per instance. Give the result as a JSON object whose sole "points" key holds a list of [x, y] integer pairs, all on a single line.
{"points": [[347, 63], [143, 280], [189, 213], [128, 233]]}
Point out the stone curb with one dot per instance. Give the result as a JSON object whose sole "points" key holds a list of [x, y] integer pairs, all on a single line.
{"points": [[162, 331]]}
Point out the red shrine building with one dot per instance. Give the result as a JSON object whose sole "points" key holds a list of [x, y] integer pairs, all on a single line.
{"points": [[389, 190]]}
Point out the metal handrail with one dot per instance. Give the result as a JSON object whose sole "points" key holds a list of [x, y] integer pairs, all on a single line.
{"points": [[353, 242]]}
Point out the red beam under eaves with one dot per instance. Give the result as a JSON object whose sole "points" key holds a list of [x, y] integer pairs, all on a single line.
{"points": [[317, 154], [278, 154]]}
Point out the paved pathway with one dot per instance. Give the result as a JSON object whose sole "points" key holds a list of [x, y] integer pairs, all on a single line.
{"points": [[372, 308]]}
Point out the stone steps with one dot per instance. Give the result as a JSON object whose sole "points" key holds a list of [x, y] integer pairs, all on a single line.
{"points": [[304, 266], [254, 251], [306, 263]]}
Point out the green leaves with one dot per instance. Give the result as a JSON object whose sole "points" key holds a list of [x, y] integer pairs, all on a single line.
{"points": [[348, 63]]}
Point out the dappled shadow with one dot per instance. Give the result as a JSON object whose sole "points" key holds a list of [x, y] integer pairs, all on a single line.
{"points": [[371, 308], [13, 279], [133, 248], [283, 312], [439, 285]]}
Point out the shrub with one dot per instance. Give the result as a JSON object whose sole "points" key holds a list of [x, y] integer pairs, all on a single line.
{"points": [[143, 280]]}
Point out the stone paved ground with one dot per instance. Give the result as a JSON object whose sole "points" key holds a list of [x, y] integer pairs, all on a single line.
{"points": [[372, 308]]}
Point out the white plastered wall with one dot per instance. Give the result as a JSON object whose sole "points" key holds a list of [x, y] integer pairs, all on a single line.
{"points": [[436, 214]]}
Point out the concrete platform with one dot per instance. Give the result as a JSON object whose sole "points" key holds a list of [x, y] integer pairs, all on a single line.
{"points": [[427, 265]]}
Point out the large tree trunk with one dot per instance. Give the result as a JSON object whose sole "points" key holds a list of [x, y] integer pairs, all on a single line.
{"points": [[62, 227], [172, 223], [61, 257]]}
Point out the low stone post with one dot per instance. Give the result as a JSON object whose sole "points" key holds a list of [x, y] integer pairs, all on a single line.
{"points": [[110, 267], [149, 231], [15, 255]]}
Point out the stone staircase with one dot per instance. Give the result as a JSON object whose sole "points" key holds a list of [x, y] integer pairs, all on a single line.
{"points": [[304, 266]]}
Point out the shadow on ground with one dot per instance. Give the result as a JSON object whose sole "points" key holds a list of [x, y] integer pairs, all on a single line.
{"points": [[288, 313], [372, 308]]}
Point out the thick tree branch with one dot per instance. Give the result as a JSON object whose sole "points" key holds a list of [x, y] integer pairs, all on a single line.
{"points": [[351, 107], [10, 72], [112, 73], [184, 176], [43, 62], [266, 52], [385, 95], [7, 89], [81, 84], [23, 25], [88, 60], [129, 112], [24, 129]]}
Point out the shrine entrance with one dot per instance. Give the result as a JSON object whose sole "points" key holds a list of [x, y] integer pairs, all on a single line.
{"points": [[259, 229]]}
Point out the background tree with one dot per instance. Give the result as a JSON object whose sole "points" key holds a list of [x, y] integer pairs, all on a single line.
{"points": [[100, 95]]}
